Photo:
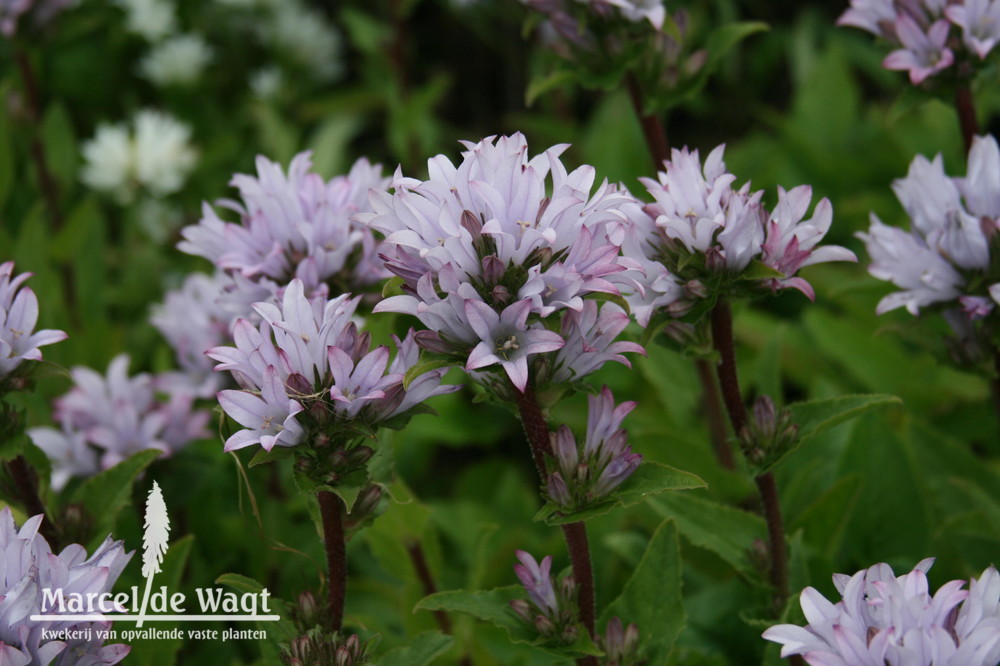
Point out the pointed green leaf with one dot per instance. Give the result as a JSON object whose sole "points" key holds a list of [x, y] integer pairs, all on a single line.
{"points": [[493, 606], [825, 520], [652, 596], [546, 82], [240, 583], [724, 38], [758, 270], [425, 365], [817, 416], [107, 493], [277, 453], [424, 649], [651, 478], [728, 532]]}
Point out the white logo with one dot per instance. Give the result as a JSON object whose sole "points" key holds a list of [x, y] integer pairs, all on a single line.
{"points": [[159, 605]]}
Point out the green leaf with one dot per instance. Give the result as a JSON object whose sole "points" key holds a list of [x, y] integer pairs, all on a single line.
{"points": [[392, 287], [546, 82], [818, 416], [493, 606], [652, 596], [728, 532], [330, 143], [107, 493], [240, 582], [758, 270], [650, 478], [425, 365], [724, 38], [277, 453], [825, 520], [422, 651], [13, 446]]}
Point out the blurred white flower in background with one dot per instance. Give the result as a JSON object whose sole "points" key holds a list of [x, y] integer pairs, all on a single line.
{"points": [[154, 154], [266, 82], [307, 37], [152, 19], [178, 60]]}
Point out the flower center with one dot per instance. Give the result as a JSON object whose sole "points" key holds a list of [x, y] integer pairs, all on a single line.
{"points": [[507, 346]]}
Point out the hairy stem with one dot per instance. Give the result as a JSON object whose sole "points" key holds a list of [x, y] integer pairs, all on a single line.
{"points": [[537, 431], [722, 338], [426, 578], [331, 509], [966, 114]]}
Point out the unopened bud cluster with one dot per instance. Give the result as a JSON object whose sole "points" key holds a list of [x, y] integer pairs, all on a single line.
{"points": [[552, 610], [318, 648], [586, 474], [769, 433], [620, 645]]}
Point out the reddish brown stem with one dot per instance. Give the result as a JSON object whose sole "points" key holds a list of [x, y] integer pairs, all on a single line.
{"points": [[722, 338], [537, 431], [652, 128], [966, 115], [419, 561], [46, 181], [331, 509], [26, 483]]}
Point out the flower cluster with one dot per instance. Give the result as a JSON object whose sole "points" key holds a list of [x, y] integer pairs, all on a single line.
{"points": [[585, 475], [700, 232], [294, 225], [18, 316], [883, 619], [107, 419], [28, 567], [486, 257], [554, 612], [307, 368], [925, 32], [193, 320], [177, 60], [154, 154], [946, 257]]}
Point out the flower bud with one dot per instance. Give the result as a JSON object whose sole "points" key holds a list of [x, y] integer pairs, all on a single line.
{"points": [[544, 626], [522, 608]]}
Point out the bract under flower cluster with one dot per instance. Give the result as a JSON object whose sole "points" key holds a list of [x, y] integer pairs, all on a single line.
{"points": [[486, 257], [306, 366], [883, 619], [947, 257], [294, 225], [700, 232], [105, 419], [28, 567], [18, 316], [932, 36], [586, 474]]}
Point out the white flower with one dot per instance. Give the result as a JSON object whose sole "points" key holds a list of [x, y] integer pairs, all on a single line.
{"points": [[307, 37], [178, 60], [157, 157], [152, 19]]}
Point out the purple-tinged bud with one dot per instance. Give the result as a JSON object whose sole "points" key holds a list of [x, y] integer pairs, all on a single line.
{"points": [[493, 270], [522, 608], [764, 414], [614, 635], [471, 223], [619, 469], [631, 644], [695, 62], [544, 626], [567, 589], [500, 295], [307, 610], [298, 385], [564, 448], [695, 289], [432, 342], [557, 490], [358, 456], [715, 261], [570, 634], [366, 503]]}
